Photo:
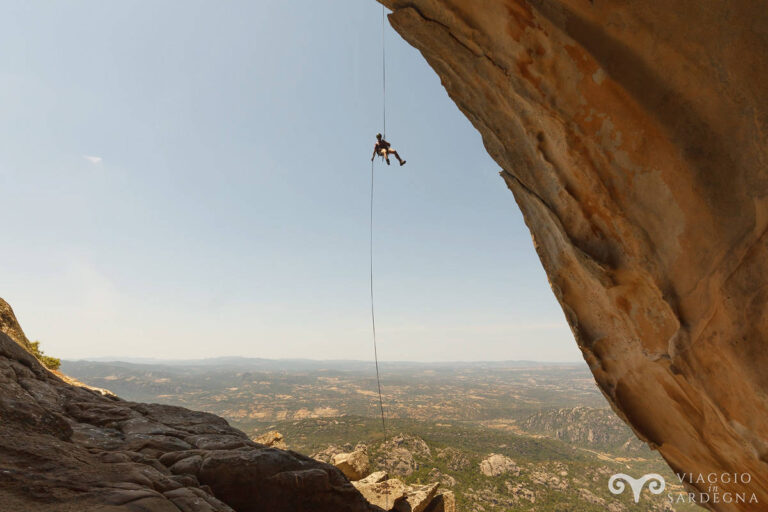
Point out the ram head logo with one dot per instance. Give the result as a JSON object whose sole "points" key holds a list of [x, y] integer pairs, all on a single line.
{"points": [[656, 485]]}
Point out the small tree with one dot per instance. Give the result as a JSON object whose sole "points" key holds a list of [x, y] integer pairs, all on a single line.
{"points": [[52, 363]]}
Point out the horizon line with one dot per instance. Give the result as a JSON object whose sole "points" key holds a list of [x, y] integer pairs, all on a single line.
{"points": [[133, 359]]}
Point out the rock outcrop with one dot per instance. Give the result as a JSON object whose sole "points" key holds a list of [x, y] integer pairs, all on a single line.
{"points": [[355, 465], [397, 454], [394, 456], [381, 491], [598, 428], [272, 438], [67, 448], [417, 498], [435, 475], [442, 502], [10, 325], [496, 464], [394, 495], [455, 459], [633, 137]]}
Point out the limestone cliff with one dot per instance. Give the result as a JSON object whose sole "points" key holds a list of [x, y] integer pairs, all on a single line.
{"points": [[633, 137]]}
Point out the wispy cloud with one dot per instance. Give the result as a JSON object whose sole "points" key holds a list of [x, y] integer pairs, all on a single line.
{"points": [[95, 160]]}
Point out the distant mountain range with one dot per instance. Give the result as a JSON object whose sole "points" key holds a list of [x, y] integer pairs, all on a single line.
{"points": [[257, 363]]}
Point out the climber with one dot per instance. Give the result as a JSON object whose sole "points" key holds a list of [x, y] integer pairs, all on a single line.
{"points": [[383, 148]]}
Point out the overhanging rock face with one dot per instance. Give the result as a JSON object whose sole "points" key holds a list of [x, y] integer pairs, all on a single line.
{"points": [[634, 138]]}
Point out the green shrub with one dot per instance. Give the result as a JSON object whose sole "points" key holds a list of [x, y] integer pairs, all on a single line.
{"points": [[52, 363]]}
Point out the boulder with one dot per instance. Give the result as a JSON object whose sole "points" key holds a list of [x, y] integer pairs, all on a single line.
{"points": [[189, 466], [374, 478], [383, 494], [355, 465], [272, 438], [417, 498], [435, 475], [442, 502], [327, 454], [495, 465]]}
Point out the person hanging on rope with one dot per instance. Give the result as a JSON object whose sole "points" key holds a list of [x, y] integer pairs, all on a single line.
{"points": [[384, 149]]}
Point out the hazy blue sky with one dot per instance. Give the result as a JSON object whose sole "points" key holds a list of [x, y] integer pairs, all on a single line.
{"points": [[191, 179]]}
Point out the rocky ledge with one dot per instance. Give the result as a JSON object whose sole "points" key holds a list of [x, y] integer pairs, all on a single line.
{"points": [[69, 448]]}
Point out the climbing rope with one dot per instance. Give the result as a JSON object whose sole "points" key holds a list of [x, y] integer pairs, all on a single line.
{"points": [[373, 318], [384, 68]]}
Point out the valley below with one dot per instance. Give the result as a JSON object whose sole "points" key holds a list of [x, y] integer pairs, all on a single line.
{"points": [[501, 435]]}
